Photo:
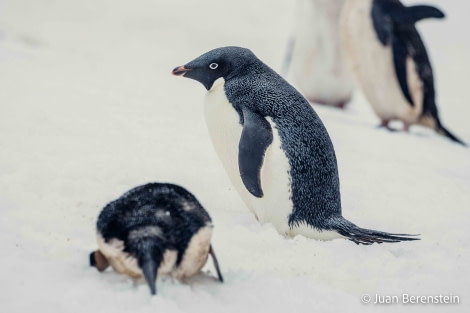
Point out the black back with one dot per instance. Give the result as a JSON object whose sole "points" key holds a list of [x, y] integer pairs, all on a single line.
{"points": [[153, 217]]}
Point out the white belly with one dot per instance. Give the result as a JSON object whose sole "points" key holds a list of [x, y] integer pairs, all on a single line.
{"points": [[225, 131], [372, 64], [318, 64]]}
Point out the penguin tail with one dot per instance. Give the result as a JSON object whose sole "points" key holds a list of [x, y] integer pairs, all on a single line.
{"points": [[368, 236], [445, 132]]}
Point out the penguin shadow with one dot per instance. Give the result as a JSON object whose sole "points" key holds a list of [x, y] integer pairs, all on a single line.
{"points": [[348, 115], [418, 131], [203, 278], [26, 40], [340, 106]]}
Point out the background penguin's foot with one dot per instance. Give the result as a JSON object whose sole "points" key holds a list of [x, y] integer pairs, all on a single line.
{"points": [[406, 127], [368, 236], [385, 125]]}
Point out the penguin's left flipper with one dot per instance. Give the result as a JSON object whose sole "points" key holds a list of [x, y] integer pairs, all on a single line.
{"points": [[98, 260], [256, 137], [216, 264], [419, 12], [400, 55]]}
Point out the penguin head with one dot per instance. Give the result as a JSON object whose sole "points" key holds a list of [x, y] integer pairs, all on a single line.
{"points": [[222, 62]]}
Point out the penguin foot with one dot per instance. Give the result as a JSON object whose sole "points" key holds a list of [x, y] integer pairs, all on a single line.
{"points": [[406, 127], [368, 236], [385, 125]]}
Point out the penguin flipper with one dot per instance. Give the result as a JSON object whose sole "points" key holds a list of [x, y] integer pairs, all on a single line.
{"points": [[368, 236], [419, 12], [382, 25], [216, 264], [399, 60], [256, 137]]}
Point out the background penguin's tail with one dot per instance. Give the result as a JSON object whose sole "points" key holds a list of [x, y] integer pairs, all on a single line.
{"points": [[443, 131], [368, 236], [431, 119]]}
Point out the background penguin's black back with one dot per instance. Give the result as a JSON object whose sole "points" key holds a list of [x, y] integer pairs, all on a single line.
{"points": [[171, 208]]}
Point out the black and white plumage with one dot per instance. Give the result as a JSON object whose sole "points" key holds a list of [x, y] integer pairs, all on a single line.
{"points": [[391, 62], [154, 229], [274, 147]]}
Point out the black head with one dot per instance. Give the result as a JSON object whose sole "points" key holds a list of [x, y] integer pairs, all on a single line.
{"points": [[221, 62]]}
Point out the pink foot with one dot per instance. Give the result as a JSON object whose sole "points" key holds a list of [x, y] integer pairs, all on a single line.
{"points": [[384, 123]]}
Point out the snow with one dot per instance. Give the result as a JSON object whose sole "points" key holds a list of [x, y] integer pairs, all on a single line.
{"points": [[89, 110]]}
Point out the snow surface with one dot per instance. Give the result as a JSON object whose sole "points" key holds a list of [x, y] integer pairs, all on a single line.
{"points": [[89, 110]]}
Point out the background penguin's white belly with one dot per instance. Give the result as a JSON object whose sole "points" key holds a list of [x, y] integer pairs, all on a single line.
{"points": [[373, 66], [317, 59], [225, 131]]}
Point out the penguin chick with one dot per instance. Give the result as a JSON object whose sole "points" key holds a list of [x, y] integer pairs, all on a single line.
{"points": [[390, 61], [152, 230], [274, 147], [315, 56]]}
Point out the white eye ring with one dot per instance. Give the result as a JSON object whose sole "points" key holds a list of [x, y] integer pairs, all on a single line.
{"points": [[213, 66]]}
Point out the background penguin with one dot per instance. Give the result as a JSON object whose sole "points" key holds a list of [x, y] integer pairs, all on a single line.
{"points": [[315, 56], [274, 147], [390, 61], [154, 229]]}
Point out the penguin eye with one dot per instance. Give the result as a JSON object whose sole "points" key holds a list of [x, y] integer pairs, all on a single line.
{"points": [[213, 66]]}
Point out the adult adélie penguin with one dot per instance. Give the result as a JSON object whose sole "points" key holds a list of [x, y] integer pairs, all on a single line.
{"points": [[390, 61], [274, 147]]}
